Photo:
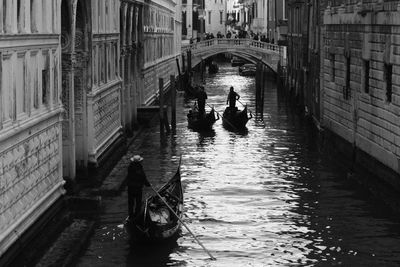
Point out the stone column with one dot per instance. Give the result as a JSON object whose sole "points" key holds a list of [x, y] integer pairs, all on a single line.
{"points": [[68, 96], [124, 74]]}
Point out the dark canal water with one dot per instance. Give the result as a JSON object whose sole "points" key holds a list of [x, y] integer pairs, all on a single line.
{"points": [[266, 197]]}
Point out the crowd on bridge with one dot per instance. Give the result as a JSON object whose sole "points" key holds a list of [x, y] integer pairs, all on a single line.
{"points": [[240, 34]]}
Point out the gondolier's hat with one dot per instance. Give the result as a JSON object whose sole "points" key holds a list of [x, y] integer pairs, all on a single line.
{"points": [[136, 158]]}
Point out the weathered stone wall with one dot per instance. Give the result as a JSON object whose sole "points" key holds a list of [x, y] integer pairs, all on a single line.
{"points": [[104, 99], [151, 78], [361, 75], [30, 114], [158, 47]]}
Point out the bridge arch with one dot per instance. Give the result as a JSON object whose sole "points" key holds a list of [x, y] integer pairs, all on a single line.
{"points": [[246, 56], [254, 51]]}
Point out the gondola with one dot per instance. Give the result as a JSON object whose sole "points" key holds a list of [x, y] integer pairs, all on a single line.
{"points": [[235, 119], [156, 222], [192, 91], [205, 122], [213, 68]]}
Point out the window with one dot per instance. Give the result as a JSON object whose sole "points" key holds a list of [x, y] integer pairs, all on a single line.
{"points": [[19, 16], [115, 47], [346, 91], [20, 85], [33, 17], [55, 77], [332, 57], [366, 76], [209, 17], [45, 86], [388, 79], [45, 79], [221, 13]]}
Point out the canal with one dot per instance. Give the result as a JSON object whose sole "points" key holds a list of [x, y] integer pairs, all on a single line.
{"points": [[269, 196]]}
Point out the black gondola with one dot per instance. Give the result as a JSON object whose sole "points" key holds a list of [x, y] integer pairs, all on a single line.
{"points": [[213, 68], [205, 122], [156, 222], [192, 91], [235, 119]]}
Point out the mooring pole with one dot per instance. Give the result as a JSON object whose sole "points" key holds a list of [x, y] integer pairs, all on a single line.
{"points": [[183, 63], [166, 123], [258, 86], [161, 96], [202, 66], [262, 91], [173, 103], [179, 74]]}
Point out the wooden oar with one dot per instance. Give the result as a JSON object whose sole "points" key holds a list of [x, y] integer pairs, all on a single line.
{"points": [[222, 116], [198, 241]]}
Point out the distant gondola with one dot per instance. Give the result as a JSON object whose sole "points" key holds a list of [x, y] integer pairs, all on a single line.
{"points": [[248, 70], [213, 68], [156, 222], [192, 91], [235, 119], [205, 122]]}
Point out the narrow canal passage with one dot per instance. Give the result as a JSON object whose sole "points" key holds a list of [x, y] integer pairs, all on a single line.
{"points": [[266, 197]]}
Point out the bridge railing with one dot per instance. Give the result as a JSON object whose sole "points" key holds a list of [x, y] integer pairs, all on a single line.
{"points": [[232, 43]]}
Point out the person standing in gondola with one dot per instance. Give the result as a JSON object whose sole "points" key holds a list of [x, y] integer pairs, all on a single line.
{"points": [[201, 101], [136, 179], [232, 97]]}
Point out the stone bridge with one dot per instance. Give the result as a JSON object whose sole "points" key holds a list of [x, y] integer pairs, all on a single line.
{"points": [[251, 50]]}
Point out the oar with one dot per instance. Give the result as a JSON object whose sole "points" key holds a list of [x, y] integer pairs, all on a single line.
{"points": [[222, 116], [198, 241]]}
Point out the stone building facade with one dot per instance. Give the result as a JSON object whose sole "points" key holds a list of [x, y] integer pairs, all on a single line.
{"points": [[215, 19], [304, 46], [343, 69], [131, 63], [91, 82], [361, 79], [31, 143], [72, 74], [162, 29]]}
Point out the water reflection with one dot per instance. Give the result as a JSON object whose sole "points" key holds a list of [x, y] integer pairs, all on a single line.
{"points": [[267, 197]]}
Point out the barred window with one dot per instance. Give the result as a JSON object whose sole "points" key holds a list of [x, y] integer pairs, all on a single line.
{"points": [[346, 93], [366, 76], [388, 79]]}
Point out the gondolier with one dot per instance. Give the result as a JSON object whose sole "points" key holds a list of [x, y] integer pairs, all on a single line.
{"points": [[136, 179], [201, 101], [232, 97], [162, 213]]}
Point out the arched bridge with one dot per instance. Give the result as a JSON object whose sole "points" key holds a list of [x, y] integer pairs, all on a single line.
{"points": [[251, 50]]}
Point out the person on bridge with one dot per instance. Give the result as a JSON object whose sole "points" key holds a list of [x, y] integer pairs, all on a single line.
{"points": [[232, 97], [201, 101], [136, 179]]}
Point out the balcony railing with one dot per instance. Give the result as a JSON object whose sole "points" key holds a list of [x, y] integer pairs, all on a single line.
{"points": [[228, 42]]}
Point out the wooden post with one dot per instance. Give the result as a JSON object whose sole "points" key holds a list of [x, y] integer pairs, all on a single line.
{"points": [[179, 75], [166, 123], [262, 92], [258, 75], [173, 103], [183, 63], [189, 60], [202, 66], [161, 96]]}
